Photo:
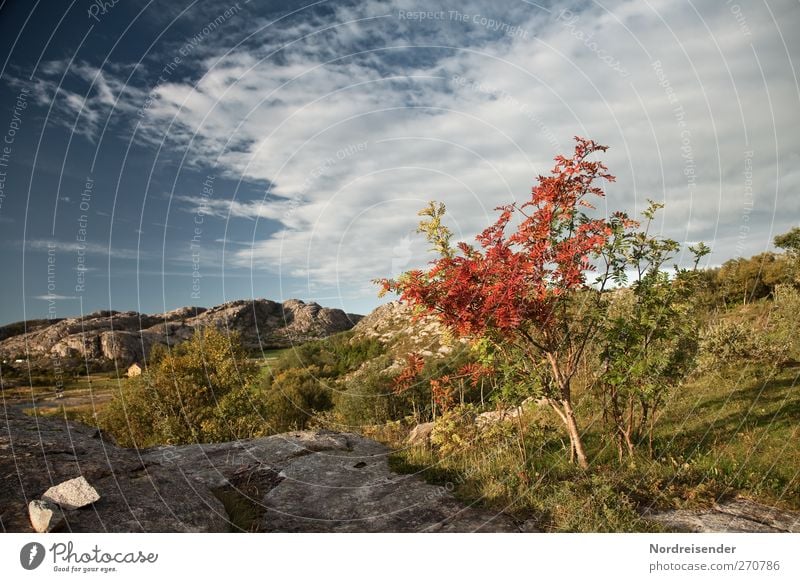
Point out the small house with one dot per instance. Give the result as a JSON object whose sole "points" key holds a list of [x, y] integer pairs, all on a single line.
{"points": [[135, 369]]}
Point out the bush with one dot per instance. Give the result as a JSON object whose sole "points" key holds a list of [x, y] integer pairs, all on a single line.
{"points": [[734, 342], [455, 431], [242, 414], [784, 320], [294, 396], [744, 280], [331, 357], [368, 399], [199, 391]]}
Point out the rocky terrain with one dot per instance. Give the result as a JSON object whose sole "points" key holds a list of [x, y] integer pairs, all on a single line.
{"points": [[311, 481], [394, 324], [294, 482], [736, 515], [105, 338]]}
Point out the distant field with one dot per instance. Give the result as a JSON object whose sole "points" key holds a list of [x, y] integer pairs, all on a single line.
{"points": [[266, 361], [82, 398], [85, 396]]}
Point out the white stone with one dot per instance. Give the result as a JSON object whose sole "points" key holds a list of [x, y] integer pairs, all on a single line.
{"points": [[45, 516], [72, 494]]}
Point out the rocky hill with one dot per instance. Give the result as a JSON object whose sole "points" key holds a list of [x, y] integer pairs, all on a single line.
{"points": [[104, 338], [394, 325]]}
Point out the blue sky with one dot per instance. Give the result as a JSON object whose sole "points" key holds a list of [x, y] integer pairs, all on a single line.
{"points": [[188, 153]]}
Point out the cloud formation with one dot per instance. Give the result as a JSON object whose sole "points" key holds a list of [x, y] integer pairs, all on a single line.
{"points": [[351, 118]]}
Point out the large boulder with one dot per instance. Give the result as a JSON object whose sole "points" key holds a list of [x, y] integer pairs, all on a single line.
{"points": [[312, 481]]}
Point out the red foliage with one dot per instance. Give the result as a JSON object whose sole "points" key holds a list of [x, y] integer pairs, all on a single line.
{"points": [[443, 392], [475, 372], [414, 364], [516, 278]]}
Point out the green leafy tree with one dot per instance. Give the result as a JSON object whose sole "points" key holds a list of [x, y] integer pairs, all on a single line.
{"points": [[649, 337], [743, 280], [790, 242], [198, 391]]}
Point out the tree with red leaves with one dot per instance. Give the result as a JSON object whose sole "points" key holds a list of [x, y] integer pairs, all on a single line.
{"points": [[528, 289]]}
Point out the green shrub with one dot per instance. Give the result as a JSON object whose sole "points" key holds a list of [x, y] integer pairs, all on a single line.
{"points": [[331, 357], [737, 343], [784, 319], [368, 399], [743, 280], [199, 391], [294, 396], [455, 431]]}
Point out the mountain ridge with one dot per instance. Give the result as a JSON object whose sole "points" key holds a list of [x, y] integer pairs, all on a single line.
{"points": [[102, 339]]}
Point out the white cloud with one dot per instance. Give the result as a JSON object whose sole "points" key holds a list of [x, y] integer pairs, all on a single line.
{"points": [[55, 297], [93, 249], [355, 136]]}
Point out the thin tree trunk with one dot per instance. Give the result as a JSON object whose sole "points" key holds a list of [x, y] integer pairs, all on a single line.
{"points": [[628, 442], [521, 442], [557, 409], [574, 433]]}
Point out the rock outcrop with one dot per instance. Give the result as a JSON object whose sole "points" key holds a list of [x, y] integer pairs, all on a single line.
{"points": [[295, 482], [394, 325], [136, 495], [104, 338], [737, 515]]}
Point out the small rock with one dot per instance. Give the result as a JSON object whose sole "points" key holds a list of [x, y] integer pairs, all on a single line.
{"points": [[72, 494], [420, 434], [485, 419], [529, 526], [45, 516]]}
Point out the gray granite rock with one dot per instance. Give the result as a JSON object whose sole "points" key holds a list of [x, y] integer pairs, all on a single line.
{"points": [[732, 516], [137, 496], [295, 482]]}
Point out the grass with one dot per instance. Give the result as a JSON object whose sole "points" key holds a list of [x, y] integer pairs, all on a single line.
{"points": [[724, 434], [741, 430], [83, 397], [85, 413], [244, 514]]}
